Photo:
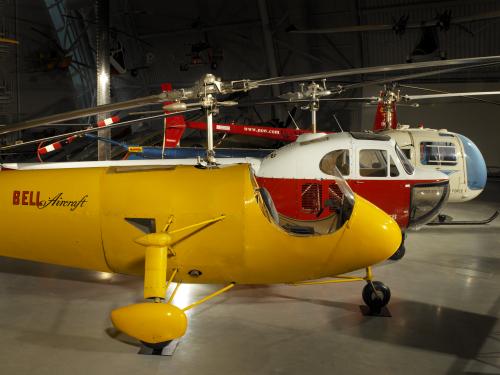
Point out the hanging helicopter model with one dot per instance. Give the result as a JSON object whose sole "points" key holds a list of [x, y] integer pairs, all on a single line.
{"points": [[166, 228]]}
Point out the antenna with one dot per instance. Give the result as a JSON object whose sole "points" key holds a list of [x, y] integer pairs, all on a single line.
{"points": [[293, 120], [338, 122]]}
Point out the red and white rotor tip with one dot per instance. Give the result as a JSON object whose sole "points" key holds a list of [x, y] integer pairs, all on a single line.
{"points": [[108, 121]]}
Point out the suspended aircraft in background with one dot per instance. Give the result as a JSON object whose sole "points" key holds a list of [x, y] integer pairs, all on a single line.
{"points": [[428, 45], [178, 223], [8, 40], [443, 21]]}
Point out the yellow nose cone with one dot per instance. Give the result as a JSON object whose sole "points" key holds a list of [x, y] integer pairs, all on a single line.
{"points": [[371, 236], [150, 322]]}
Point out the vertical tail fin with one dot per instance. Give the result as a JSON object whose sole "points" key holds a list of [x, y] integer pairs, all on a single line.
{"points": [[174, 125]]}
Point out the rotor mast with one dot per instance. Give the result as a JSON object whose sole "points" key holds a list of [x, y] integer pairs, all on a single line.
{"points": [[314, 92], [389, 98], [209, 103]]}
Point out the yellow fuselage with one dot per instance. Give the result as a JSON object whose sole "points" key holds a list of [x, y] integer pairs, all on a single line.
{"points": [[76, 217]]}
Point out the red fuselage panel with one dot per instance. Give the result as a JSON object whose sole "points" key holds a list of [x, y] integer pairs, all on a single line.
{"points": [[304, 199]]}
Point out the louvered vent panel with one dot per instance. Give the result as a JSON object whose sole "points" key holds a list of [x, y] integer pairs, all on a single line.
{"points": [[311, 197], [336, 195]]}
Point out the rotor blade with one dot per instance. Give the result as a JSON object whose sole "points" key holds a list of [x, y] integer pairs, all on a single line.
{"points": [[371, 83], [60, 124], [240, 86], [96, 129], [386, 27], [375, 69], [476, 17], [365, 99], [146, 112], [346, 29], [78, 113], [444, 94], [411, 76], [451, 95], [292, 101]]}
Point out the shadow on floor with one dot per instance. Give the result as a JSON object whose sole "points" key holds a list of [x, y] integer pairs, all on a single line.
{"points": [[434, 328], [28, 268], [419, 325]]}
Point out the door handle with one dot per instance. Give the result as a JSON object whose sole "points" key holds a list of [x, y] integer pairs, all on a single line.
{"points": [[359, 182]]}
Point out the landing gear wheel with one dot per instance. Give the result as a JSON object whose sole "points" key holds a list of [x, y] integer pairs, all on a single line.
{"points": [[157, 347], [400, 252], [376, 295]]}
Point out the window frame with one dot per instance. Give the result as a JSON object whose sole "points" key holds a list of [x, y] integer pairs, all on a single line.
{"points": [[373, 148], [332, 151], [440, 162]]}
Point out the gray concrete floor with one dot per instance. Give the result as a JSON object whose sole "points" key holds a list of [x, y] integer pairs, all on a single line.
{"points": [[445, 306]]}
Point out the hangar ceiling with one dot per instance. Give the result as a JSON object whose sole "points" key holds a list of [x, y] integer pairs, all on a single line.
{"points": [[156, 42]]}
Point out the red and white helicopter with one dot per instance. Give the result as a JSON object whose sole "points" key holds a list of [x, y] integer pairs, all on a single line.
{"points": [[299, 175]]}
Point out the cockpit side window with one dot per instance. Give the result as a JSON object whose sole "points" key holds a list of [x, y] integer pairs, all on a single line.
{"points": [[337, 158], [373, 163], [438, 153]]}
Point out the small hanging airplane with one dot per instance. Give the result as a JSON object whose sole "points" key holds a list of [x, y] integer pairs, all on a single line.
{"points": [[8, 40], [222, 229]]}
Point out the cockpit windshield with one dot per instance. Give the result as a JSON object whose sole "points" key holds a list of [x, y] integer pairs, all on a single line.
{"points": [[343, 185], [409, 168], [476, 167], [317, 207]]}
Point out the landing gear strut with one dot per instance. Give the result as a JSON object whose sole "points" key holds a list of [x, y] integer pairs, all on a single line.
{"points": [[376, 294], [158, 322]]}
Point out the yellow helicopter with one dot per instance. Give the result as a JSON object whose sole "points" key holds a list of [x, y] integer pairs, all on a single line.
{"points": [[172, 223]]}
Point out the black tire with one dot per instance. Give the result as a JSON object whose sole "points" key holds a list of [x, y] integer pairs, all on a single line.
{"points": [[378, 298], [400, 252]]}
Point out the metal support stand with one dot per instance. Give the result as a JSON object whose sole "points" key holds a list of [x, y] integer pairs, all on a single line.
{"points": [[270, 51], [383, 312], [166, 351], [448, 220]]}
